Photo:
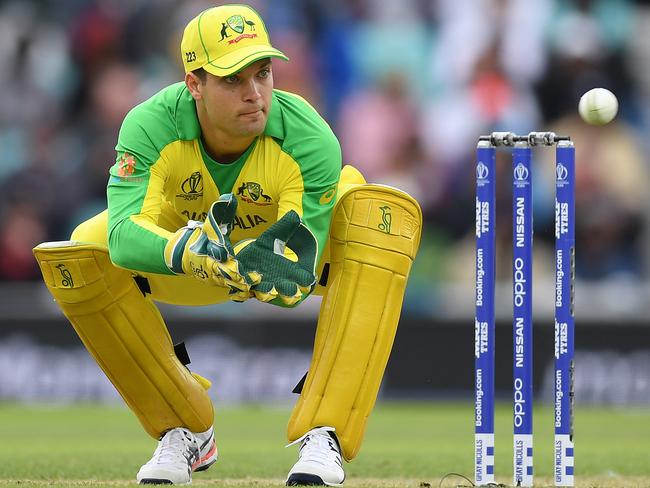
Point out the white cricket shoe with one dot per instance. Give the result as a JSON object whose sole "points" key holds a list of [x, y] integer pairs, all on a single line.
{"points": [[207, 449], [319, 460], [179, 453]]}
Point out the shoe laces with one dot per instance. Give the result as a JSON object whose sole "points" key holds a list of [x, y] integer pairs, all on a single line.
{"points": [[176, 445], [320, 447]]}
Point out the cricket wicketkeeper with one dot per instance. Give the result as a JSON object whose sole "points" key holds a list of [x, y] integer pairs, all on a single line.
{"points": [[226, 189]]}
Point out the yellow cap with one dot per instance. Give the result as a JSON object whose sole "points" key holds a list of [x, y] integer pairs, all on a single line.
{"points": [[223, 40]]}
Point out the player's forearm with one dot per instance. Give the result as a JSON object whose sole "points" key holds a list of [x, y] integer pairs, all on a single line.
{"points": [[136, 248]]}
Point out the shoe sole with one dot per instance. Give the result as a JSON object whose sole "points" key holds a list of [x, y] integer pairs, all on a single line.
{"points": [[305, 479], [154, 481], [205, 466]]}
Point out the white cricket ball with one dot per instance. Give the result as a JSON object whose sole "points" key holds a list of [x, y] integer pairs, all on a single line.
{"points": [[598, 106]]}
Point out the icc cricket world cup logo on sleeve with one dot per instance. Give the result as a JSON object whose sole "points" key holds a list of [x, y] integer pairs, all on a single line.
{"points": [[126, 165]]}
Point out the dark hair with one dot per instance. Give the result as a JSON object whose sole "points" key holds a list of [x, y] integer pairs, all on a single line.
{"points": [[201, 74]]}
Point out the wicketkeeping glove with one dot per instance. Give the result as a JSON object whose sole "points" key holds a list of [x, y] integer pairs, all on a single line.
{"points": [[283, 281], [204, 250]]}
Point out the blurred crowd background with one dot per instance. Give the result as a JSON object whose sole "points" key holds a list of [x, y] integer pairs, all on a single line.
{"points": [[407, 85]]}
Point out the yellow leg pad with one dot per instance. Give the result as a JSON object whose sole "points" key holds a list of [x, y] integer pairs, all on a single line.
{"points": [[126, 335], [374, 237]]}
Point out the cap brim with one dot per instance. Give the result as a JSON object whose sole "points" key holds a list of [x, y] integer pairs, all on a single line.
{"points": [[232, 63]]}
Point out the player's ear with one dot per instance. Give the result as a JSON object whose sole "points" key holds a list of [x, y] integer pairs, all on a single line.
{"points": [[194, 85]]}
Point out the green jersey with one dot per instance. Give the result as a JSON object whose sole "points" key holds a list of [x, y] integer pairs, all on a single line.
{"points": [[163, 170]]}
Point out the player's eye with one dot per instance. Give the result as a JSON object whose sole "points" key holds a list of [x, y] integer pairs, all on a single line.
{"points": [[264, 73], [231, 80]]}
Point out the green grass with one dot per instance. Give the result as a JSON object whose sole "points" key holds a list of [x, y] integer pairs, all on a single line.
{"points": [[406, 445]]}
